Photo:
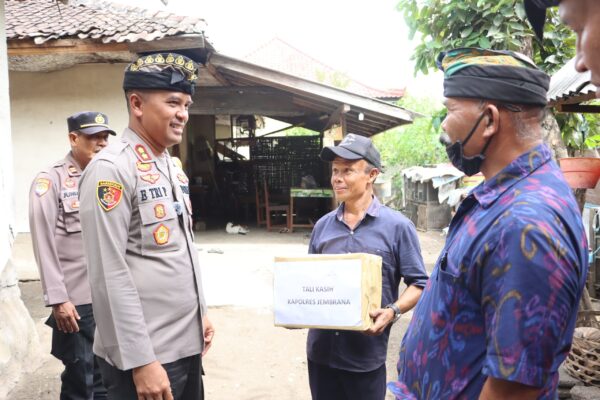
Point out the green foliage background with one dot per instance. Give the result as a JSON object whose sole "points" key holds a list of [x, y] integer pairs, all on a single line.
{"points": [[417, 143]]}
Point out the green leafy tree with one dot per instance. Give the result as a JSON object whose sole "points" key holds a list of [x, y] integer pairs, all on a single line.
{"points": [[489, 24]]}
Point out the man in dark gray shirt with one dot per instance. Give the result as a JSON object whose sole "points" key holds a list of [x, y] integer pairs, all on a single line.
{"points": [[351, 365]]}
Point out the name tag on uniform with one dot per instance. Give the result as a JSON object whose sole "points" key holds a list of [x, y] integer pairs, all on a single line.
{"points": [[151, 193], [70, 194]]}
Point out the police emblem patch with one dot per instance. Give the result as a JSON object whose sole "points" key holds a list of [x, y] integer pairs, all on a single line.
{"points": [[100, 119], [42, 185], [142, 166], [159, 211], [142, 153], [183, 179], [109, 194], [69, 183], [150, 178], [161, 235]]}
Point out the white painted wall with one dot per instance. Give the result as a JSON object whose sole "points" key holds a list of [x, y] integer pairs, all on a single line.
{"points": [[40, 105], [6, 164]]}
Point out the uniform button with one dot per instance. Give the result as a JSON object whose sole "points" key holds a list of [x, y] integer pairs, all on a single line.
{"points": [[352, 232]]}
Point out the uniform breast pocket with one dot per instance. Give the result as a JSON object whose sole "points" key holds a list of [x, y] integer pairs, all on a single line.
{"points": [[72, 221], [160, 228]]}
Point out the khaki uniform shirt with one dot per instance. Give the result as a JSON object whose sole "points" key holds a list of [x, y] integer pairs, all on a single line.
{"points": [[143, 266], [56, 233]]}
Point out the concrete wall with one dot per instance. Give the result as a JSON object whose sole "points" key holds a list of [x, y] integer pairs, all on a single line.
{"points": [[40, 105], [18, 337], [6, 166]]}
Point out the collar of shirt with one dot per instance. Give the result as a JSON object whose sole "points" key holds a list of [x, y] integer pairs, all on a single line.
{"points": [[372, 210], [488, 192], [72, 166], [138, 143]]}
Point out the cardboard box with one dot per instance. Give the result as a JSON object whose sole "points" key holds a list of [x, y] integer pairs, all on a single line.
{"points": [[326, 291]]}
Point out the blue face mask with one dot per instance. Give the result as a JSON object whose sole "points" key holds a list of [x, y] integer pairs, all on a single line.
{"points": [[468, 165]]}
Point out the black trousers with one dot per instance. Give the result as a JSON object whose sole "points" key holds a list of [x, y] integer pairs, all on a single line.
{"points": [[81, 379], [336, 384], [185, 376]]}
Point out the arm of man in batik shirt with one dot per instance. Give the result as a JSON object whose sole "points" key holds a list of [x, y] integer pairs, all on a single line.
{"points": [[531, 285]]}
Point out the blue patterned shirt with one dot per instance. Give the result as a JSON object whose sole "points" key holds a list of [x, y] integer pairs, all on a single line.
{"points": [[502, 299]]}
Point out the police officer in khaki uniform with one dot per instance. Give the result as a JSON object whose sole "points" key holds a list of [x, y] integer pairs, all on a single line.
{"points": [[152, 326], [58, 249]]}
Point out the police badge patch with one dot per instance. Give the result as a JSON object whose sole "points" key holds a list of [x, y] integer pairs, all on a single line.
{"points": [[109, 194], [144, 167], [42, 185], [183, 179], [161, 235], [69, 183], [159, 211], [150, 178]]}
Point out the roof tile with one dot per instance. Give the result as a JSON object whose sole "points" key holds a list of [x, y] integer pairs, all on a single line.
{"points": [[44, 20]]}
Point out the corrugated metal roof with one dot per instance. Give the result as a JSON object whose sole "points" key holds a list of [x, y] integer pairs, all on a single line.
{"points": [[567, 86], [44, 20]]}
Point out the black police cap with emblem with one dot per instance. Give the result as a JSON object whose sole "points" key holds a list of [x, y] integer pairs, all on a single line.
{"points": [[89, 123], [162, 71], [536, 13]]}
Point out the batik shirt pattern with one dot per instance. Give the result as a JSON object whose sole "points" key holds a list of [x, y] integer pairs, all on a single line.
{"points": [[502, 299]]}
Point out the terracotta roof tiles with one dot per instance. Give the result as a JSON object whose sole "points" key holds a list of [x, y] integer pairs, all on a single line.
{"points": [[43, 20]]}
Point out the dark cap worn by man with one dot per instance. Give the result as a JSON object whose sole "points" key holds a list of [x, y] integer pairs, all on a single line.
{"points": [[351, 365], [166, 71], [144, 270], [515, 253], [58, 249], [353, 147], [89, 123], [504, 77]]}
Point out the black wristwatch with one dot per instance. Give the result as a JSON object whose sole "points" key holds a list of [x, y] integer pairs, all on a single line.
{"points": [[397, 312]]}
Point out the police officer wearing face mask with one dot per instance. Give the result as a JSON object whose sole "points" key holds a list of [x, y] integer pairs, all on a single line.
{"points": [[500, 307]]}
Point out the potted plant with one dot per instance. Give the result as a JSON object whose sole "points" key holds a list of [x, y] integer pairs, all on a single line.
{"points": [[581, 135]]}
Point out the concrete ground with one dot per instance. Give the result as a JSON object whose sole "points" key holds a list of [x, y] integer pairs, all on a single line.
{"points": [[250, 358]]}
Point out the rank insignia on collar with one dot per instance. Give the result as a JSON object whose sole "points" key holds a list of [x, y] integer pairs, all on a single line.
{"points": [[161, 235], [109, 194], [42, 185], [177, 162], [142, 153], [72, 170], [159, 211], [142, 166], [150, 178], [70, 183], [75, 204], [183, 179]]}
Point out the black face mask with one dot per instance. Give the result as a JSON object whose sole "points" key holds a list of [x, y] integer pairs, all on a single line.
{"points": [[468, 165]]}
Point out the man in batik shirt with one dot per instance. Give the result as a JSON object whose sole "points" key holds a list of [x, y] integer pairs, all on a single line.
{"points": [[496, 318]]}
